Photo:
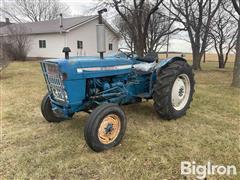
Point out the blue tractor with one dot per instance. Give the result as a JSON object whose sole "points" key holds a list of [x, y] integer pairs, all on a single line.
{"points": [[100, 85]]}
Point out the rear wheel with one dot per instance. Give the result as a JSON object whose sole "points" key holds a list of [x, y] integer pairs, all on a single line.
{"points": [[105, 127], [173, 90], [47, 111]]}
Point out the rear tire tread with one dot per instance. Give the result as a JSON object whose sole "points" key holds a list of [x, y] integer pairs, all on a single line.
{"points": [[163, 86]]}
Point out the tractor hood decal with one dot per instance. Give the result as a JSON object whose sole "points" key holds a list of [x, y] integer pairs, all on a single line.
{"points": [[107, 68]]}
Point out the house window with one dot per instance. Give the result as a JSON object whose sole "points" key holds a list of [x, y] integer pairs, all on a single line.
{"points": [[42, 43], [110, 47], [79, 44]]}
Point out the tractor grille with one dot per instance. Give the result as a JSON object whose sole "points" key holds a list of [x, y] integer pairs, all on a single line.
{"points": [[54, 81]]}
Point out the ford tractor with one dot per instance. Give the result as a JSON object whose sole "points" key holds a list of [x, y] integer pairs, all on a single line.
{"points": [[100, 85]]}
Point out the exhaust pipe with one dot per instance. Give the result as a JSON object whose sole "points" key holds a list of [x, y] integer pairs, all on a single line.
{"points": [[101, 40]]}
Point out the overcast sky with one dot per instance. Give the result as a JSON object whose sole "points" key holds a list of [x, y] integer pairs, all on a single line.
{"points": [[80, 7]]}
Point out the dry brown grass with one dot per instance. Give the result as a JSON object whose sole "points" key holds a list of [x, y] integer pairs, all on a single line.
{"points": [[151, 149]]}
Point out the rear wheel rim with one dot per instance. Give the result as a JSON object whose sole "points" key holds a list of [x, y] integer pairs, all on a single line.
{"points": [[180, 92], [109, 129]]}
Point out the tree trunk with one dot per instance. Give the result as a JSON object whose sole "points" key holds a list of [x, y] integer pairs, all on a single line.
{"points": [[139, 48], [196, 60], [204, 57], [236, 69], [221, 64]]}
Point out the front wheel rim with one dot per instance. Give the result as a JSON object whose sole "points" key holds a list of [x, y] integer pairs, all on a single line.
{"points": [[109, 129], [180, 92]]}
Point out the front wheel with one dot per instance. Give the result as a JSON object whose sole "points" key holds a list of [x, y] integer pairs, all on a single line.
{"points": [[173, 90], [47, 111], [105, 127]]}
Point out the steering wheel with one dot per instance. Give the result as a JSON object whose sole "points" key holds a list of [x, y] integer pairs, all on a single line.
{"points": [[128, 54]]}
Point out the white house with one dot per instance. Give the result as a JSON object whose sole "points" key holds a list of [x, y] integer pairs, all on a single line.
{"points": [[78, 33]]}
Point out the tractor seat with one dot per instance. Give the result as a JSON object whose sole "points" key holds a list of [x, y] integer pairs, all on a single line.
{"points": [[144, 67], [149, 58]]}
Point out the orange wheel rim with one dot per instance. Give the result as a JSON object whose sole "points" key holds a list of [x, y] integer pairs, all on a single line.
{"points": [[109, 129]]}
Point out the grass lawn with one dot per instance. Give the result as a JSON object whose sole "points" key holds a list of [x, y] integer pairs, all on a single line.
{"points": [[151, 149]]}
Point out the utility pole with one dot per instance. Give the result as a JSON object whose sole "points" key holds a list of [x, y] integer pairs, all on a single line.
{"points": [[168, 36]]}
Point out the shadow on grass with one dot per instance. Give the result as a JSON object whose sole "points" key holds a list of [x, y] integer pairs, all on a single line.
{"points": [[3, 77], [135, 112], [78, 121]]}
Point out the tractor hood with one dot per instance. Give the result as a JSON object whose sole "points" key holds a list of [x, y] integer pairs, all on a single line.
{"points": [[90, 67]]}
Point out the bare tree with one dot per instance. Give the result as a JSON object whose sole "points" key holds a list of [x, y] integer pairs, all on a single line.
{"points": [[17, 43], [134, 14], [3, 59], [125, 32], [160, 25], [223, 33], [236, 70], [196, 16], [34, 10]]}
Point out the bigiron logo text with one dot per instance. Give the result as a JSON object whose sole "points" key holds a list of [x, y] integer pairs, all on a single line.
{"points": [[202, 171]]}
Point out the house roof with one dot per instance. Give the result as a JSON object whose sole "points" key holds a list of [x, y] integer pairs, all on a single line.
{"points": [[53, 26]]}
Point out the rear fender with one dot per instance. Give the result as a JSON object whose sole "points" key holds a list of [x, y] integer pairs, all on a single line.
{"points": [[163, 63]]}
